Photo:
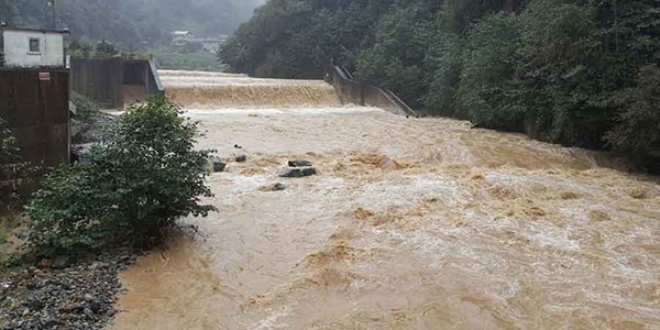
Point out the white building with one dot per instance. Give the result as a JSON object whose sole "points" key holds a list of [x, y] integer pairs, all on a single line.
{"points": [[181, 37], [24, 47]]}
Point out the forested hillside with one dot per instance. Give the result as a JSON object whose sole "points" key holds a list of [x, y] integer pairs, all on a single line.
{"points": [[133, 23], [576, 72]]}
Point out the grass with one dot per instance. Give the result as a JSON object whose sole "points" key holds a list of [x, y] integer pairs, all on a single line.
{"points": [[4, 234], [201, 60], [8, 247]]}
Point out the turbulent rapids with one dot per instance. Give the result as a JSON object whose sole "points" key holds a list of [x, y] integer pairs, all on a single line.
{"points": [[410, 224]]}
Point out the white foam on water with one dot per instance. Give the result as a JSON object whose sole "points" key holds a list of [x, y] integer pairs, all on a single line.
{"points": [[413, 190], [272, 322], [276, 111]]}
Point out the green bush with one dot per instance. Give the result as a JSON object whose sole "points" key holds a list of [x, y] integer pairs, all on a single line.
{"points": [[129, 189], [86, 108]]}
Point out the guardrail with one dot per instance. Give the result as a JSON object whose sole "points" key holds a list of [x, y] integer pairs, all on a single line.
{"points": [[354, 92], [156, 85]]}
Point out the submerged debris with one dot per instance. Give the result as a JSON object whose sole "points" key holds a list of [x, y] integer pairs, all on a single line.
{"points": [[300, 163], [218, 165], [273, 187], [298, 172]]}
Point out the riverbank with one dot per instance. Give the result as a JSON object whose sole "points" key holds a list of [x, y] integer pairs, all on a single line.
{"points": [[74, 297]]}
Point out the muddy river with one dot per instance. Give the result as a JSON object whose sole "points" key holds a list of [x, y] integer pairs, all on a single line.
{"points": [[410, 224]]}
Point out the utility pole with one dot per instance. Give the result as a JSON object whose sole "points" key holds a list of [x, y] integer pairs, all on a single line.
{"points": [[53, 14]]}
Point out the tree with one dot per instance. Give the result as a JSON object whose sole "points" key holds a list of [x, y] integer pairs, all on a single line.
{"points": [[79, 49], [554, 69], [105, 49], [637, 132], [488, 69]]}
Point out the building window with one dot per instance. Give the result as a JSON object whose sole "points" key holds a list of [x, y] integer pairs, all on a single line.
{"points": [[35, 46]]}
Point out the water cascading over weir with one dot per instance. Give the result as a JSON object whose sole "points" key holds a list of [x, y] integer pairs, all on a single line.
{"points": [[215, 90], [211, 90]]}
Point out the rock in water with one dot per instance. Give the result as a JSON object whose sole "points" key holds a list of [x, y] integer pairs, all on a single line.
{"points": [[218, 165], [273, 187], [298, 172], [300, 163], [279, 187], [241, 159]]}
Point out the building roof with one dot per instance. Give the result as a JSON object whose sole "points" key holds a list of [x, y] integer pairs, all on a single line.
{"points": [[29, 29]]}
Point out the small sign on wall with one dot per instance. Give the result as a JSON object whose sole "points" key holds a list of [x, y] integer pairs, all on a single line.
{"points": [[44, 76]]}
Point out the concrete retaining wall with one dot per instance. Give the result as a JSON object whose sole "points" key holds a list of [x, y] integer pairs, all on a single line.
{"points": [[99, 79], [115, 82], [354, 92]]}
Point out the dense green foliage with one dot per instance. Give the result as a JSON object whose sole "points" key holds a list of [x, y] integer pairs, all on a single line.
{"points": [[133, 23], [576, 72], [130, 189]]}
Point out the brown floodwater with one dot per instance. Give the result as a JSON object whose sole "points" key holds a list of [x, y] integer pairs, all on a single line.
{"points": [[410, 224]]}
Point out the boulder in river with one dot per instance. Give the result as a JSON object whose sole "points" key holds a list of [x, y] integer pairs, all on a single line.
{"points": [[298, 172], [300, 163], [273, 187], [218, 165]]}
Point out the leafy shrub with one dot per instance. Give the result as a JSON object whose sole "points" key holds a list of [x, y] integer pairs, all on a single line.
{"points": [[86, 108], [129, 189], [105, 49]]}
